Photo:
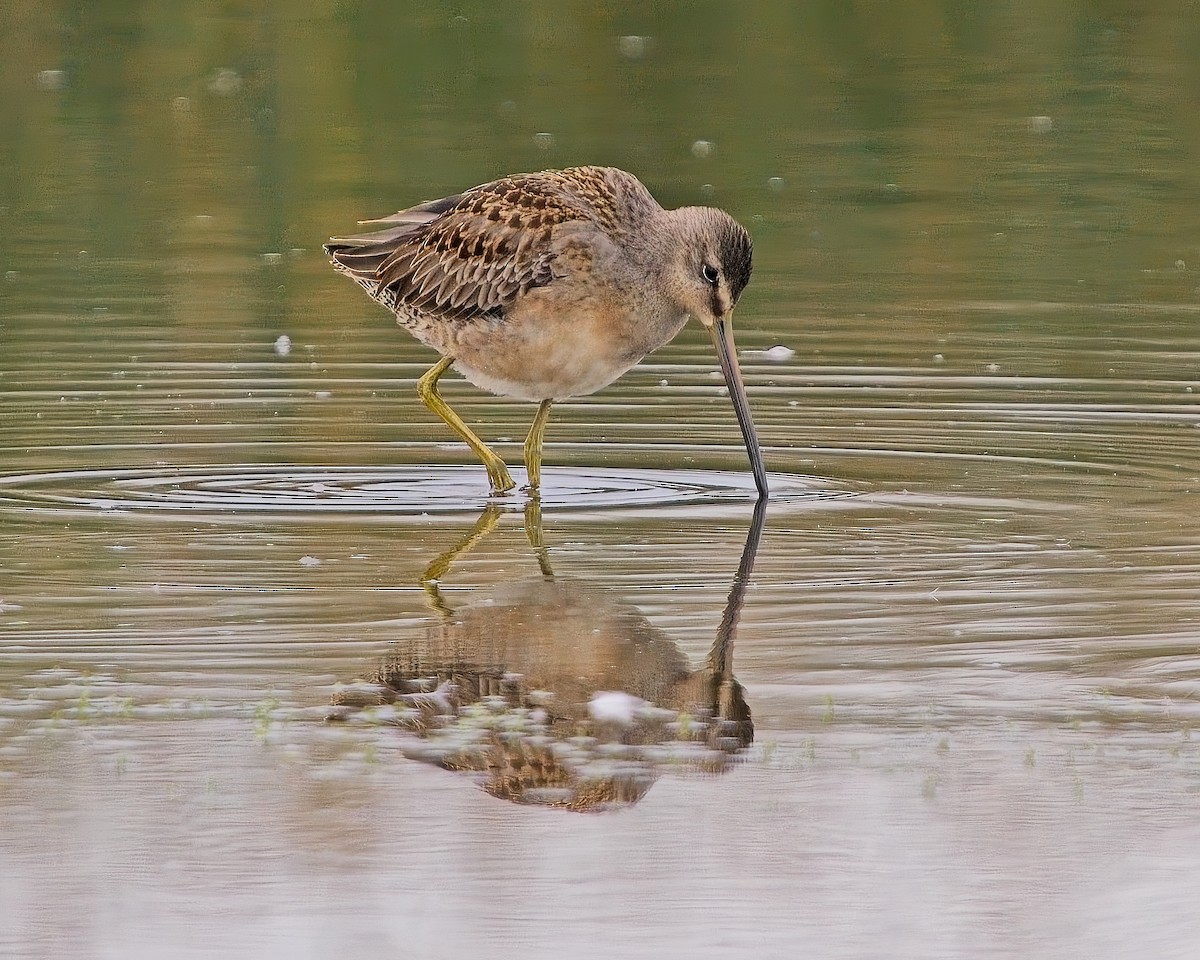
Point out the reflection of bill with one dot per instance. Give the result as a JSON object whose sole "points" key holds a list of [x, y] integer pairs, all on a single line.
{"points": [[557, 692]]}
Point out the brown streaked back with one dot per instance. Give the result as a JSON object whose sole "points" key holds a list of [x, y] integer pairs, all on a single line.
{"points": [[474, 254]]}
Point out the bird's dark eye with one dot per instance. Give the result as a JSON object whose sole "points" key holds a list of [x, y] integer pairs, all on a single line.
{"points": [[710, 274]]}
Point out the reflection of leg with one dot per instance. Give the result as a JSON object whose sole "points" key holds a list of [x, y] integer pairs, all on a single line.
{"points": [[437, 569], [427, 390], [533, 530], [533, 446]]}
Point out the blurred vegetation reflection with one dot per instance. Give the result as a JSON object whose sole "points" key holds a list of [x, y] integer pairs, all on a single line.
{"points": [[986, 150]]}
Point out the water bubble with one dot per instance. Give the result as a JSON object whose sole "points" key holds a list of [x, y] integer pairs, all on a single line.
{"points": [[634, 47], [543, 141], [323, 394], [778, 352], [1040, 124], [181, 104], [272, 258], [51, 79], [775, 184], [307, 561], [11, 275], [993, 368], [225, 82], [707, 189], [1180, 265], [283, 345], [703, 148], [938, 358]]}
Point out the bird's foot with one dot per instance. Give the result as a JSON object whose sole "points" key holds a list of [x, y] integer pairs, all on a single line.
{"points": [[499, 477]]}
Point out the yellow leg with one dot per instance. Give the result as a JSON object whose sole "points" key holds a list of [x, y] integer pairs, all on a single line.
{"points": [[437, 569], [533, 530], [533, 446], [497, 472]]}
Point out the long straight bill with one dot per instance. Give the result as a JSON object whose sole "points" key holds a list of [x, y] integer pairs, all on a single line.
{"points": [[722, 337]]}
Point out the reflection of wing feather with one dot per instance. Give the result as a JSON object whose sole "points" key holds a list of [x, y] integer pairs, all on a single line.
{"points": [[478, 252]]}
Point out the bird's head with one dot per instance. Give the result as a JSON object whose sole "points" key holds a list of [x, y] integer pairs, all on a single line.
{"points": [[713, 263], [712, 268]]}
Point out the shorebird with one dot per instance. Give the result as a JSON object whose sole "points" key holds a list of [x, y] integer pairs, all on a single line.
{"points": [[544, 286]]}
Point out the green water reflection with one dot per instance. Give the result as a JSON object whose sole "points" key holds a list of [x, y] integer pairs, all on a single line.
{"points": [[973, 681], [946, 150]]}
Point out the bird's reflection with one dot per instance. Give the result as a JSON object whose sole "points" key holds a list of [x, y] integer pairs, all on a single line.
{"points": [[556, 691]]}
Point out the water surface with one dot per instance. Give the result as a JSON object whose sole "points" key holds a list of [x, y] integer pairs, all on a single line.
{"points": [[969, 640]]}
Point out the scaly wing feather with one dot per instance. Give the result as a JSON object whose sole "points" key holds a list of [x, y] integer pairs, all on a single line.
{"points": [[477, 252]]}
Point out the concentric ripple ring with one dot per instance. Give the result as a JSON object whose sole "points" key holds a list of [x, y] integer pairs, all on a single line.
{"points": [[187, 493]]}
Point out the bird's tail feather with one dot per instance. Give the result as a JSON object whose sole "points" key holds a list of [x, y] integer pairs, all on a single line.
{"points": [[362, 254]]}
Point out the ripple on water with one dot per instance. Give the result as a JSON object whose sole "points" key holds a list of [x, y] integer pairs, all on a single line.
{"points": [[186, 493]]}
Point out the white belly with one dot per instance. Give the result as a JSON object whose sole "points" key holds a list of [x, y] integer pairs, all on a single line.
{"points": [[550, 348], [573, 376]]}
